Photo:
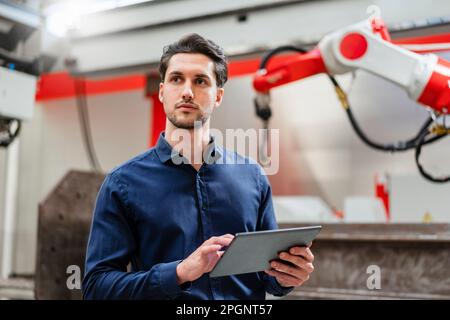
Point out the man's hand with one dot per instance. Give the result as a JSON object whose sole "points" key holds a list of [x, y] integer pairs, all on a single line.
{"points": [[297, 269], [203, 259]]}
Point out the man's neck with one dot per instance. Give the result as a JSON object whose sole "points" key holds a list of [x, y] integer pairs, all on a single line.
{"points": [[189, 142]]}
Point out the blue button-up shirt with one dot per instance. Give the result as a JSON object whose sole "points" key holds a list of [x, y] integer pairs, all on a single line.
{"points": [[152, 212]]}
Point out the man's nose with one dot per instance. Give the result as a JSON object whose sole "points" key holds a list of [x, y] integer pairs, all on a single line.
{"points": [[188, 94]]}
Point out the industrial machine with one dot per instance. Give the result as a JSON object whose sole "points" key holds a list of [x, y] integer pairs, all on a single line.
{"points": [[18, 72], [367, 46], [16, 102]]}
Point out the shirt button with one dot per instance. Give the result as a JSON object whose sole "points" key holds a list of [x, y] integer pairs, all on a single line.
{"points": [[204, 206]]}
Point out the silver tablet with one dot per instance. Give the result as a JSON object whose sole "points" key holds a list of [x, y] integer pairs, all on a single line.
{"points": [[253, 251]]}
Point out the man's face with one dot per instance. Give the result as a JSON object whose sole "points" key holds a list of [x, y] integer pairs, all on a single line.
{"points": [[189, 92]]}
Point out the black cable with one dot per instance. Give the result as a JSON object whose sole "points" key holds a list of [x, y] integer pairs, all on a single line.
{"points": [[389, 147], [271, 53], [418, 148], [423, 137], [392, 147], [83, 115]]}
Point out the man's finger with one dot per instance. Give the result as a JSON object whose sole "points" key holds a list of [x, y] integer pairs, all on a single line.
{"points": [[284, 278], [293, 271], [298, 261], [305, 252], [224, 240], [207, 249]]}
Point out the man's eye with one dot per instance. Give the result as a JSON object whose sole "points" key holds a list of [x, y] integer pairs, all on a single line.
{"points": [[201, 81], [175, 79]]}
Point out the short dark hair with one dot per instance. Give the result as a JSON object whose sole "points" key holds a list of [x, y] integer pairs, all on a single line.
{"points": [[194, 43]]}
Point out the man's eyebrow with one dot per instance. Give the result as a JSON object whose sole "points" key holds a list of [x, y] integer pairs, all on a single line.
{"points": [[202, 75], [176, 73]]}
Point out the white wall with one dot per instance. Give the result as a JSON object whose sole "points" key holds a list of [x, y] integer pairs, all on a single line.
{"points": [[418, 200]]}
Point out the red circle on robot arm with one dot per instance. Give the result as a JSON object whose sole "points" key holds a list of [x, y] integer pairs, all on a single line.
{"points": [[353, 46]]}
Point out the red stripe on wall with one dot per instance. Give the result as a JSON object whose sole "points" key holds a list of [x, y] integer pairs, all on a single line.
{"points": [[61, 85]]}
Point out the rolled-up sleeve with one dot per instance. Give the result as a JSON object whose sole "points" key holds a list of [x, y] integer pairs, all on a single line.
{"points": [[111, 247]]}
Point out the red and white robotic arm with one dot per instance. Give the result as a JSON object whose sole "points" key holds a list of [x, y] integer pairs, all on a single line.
{"points": [[366, 45]]}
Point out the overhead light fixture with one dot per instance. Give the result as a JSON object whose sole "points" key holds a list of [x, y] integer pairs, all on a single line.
{"points": [[66, 16]]}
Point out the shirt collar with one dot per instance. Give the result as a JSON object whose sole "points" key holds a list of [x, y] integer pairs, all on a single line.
{"points": [[164, 150]]}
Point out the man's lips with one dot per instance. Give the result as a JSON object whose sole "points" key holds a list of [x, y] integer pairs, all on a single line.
{"points": [[186, 106]]}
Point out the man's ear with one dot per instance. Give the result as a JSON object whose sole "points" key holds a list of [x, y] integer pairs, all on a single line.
{"points": [[219, 97], [160, 93]]}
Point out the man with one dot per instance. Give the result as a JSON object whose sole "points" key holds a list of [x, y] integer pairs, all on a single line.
{"points": [[170, 216]]}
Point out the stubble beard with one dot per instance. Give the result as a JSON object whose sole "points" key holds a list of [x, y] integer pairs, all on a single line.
{"points": [[187, 123]]}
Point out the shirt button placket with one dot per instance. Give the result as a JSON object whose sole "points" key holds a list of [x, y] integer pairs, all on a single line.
{"points": [[215, 283], [203, 207]]}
